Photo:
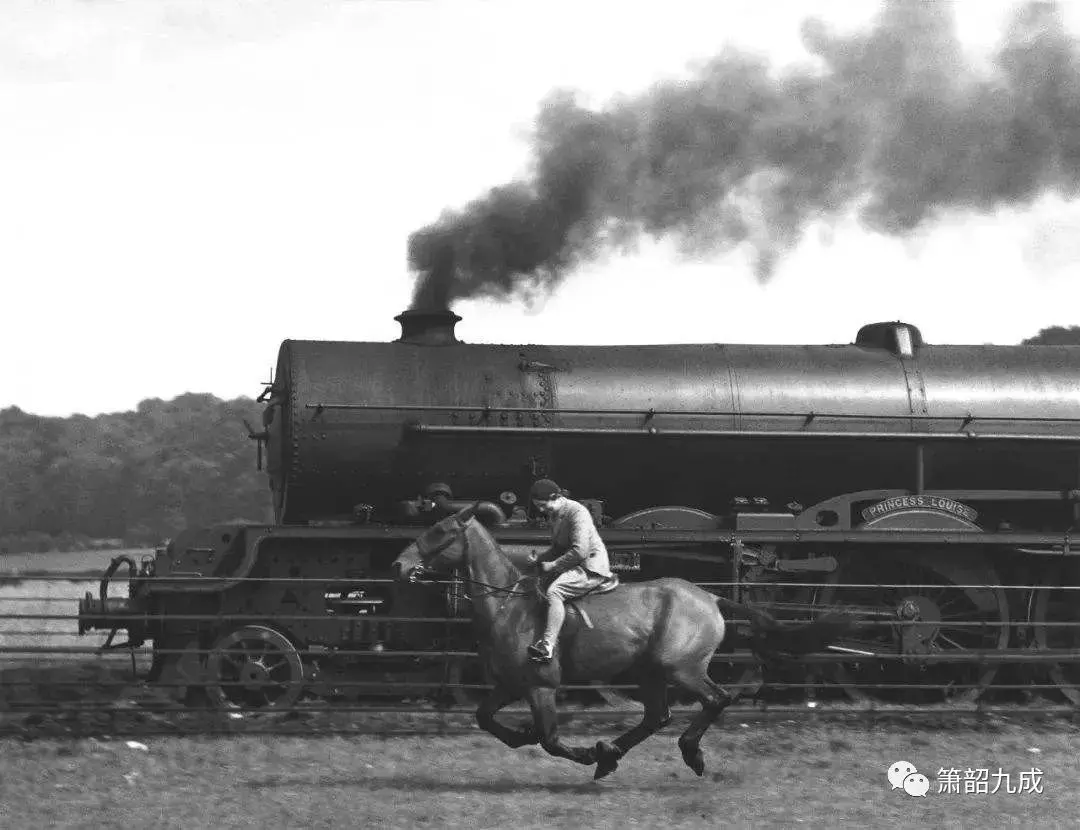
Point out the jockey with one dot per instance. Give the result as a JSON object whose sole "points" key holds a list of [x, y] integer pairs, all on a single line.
{"points": [[576, 563]]}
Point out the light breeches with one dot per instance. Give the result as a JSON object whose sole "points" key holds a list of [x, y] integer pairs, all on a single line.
{"points": [[573, 583]]}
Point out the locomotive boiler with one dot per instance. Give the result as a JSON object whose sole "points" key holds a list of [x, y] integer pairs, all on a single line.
{"points": [[909, 484]]}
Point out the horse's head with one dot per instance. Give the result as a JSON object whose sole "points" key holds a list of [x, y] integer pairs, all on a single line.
{"points": [[442, 547]]}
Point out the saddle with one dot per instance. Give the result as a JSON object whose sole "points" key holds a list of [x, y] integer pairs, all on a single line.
{"points": [[605, 587]]}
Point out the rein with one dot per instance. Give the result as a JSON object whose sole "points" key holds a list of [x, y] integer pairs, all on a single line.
{"points": [[510, 591]]}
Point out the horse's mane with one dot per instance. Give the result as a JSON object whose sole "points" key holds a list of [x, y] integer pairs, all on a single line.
{"points": [[524, 581]]}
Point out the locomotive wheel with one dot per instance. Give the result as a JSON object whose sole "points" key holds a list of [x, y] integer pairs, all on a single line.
{"points": [[916, 608], [1056, 625], [258, 668]]}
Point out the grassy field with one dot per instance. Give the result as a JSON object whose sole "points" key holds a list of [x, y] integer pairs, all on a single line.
{"points": [[84, 562], [56, 599], [32, 679], [757, 775], [51, 585]]}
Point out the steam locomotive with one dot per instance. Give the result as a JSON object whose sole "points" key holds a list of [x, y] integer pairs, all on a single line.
{"points": [[929, 490]]}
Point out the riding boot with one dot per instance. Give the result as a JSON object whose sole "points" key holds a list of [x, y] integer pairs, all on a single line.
{"points": [[543, 649]]}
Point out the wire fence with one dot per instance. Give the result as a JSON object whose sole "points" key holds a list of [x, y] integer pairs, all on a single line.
{"points": [[917, 649]]}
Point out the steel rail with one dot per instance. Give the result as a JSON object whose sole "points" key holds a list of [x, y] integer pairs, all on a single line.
{"points": [[343, 583], [598, 711], [879, 619], [1004, 656], [622, 687]]}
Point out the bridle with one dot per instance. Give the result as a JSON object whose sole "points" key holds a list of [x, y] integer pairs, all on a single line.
{"points": [[427, 553]]}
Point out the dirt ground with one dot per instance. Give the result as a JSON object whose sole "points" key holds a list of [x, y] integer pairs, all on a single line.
{"points": [[782, 774]]}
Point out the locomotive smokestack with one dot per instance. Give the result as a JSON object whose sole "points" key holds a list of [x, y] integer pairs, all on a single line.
{"points": [[428, 327]]}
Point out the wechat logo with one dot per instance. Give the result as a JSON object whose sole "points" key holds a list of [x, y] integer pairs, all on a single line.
{"points": [[904, 776]]}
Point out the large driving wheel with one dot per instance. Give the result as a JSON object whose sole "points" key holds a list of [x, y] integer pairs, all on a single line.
{"points": [[254, 667], [1055, 616], [914, 610]]}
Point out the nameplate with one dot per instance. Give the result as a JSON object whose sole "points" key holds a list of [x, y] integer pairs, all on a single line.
{"points": [[900, 504]]}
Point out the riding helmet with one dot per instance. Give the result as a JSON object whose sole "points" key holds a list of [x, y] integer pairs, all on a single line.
{"points": [[545, 489]]}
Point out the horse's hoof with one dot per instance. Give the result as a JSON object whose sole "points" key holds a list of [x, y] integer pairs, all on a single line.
{"points": [[607, 759], [605, 769], [696, 762]]}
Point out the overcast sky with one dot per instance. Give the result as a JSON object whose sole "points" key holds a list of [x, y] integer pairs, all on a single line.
{"points": [[185, 184]]}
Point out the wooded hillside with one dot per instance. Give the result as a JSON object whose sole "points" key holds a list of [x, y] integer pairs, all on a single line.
{"points": [[134, 477]]}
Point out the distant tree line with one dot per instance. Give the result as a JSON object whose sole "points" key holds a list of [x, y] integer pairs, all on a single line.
{"points": [[127, 478], [1055, 336]]}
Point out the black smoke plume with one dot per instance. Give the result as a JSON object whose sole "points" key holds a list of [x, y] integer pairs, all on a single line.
{"points": [[895, 124]]}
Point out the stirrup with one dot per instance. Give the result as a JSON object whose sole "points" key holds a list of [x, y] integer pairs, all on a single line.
{"points": [[541, 651]]}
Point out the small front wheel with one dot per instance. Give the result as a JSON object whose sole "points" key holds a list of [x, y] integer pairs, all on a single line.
{"points": [[254, 667]]}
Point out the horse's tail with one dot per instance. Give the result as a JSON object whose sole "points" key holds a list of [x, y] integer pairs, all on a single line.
{"points": [[773, 641]]}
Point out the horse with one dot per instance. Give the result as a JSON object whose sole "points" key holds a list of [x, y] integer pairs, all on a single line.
{"points": [[658, 632]]}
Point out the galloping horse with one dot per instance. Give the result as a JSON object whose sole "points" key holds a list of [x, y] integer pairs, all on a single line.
{"points": [[661, 631]]}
